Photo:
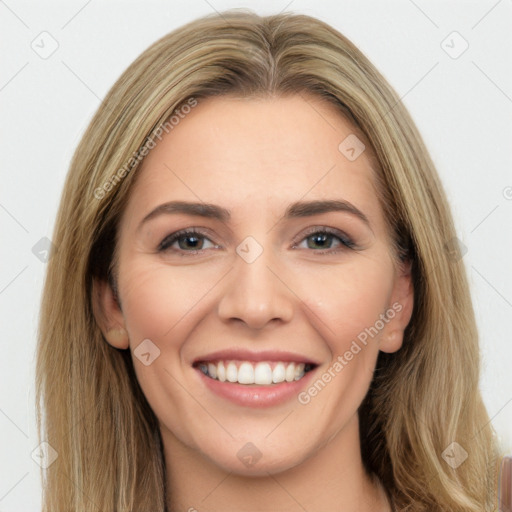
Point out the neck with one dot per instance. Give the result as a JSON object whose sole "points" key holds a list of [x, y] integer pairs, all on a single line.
{"points": [[333, 479]]}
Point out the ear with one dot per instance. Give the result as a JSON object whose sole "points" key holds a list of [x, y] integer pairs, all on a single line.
{"points": [[108, 314], [400, 309]]}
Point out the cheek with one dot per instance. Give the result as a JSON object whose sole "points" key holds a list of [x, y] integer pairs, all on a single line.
{"points": [[347, 313], [163, 305], [351, 302], [342, 302], [157, 300]]}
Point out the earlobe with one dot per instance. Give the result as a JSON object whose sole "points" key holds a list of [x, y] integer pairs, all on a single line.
{"points": [[392, 341], [402, 303], [117, 337], [108, 314]]}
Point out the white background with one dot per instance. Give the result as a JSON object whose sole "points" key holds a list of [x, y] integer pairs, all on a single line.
{"points": [[462, 106]]}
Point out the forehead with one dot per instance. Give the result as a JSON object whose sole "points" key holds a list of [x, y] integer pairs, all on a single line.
{"points": [[255, 155]]}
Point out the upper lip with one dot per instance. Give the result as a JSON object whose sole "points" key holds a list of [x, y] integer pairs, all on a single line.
{"points": [[247, 355]]}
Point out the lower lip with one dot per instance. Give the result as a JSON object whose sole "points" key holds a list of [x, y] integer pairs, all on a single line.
{"points": [[256, 396]]}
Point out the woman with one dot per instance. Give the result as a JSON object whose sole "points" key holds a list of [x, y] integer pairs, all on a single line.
{"points": [[258, 301]]}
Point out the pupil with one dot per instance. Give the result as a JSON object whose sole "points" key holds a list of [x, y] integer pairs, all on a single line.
{"points": [[322, 238], [194, 243]]}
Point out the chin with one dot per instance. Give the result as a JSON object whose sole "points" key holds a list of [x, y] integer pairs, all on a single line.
{"points": [[247, 459]]}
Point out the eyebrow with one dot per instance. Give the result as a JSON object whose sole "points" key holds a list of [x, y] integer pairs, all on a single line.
{"points": [[294, 210]]}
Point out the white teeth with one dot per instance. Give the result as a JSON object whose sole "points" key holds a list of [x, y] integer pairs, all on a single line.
{"points": [[248, 372], [232, 372], [212, 370], [221, 372], [290, 373], [263, 374], [279, 373]]}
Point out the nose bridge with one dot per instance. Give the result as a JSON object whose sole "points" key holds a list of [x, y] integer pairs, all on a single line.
{"points": [[255, 293]]}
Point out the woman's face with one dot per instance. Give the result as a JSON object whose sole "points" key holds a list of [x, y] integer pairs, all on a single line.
{"points": [[273, 282]]}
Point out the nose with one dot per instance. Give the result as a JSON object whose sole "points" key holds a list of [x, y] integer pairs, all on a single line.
{"points": [[257, 292]]}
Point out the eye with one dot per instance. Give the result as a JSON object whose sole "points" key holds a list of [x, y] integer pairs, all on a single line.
{"points": [[190, 240], [323, 238]]}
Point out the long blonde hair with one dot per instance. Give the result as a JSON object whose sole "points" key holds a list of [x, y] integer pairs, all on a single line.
{"points": [[422, 398]]}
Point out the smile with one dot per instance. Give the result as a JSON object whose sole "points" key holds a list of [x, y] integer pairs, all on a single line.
{"points": [[262, 373]]}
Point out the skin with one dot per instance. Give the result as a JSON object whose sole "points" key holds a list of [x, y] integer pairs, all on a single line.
{"points": [[254, 157]]}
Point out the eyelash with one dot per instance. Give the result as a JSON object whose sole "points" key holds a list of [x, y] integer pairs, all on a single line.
{"points": [[345, 241]]}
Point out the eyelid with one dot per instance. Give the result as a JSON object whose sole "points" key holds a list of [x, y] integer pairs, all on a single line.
{"points": [[173, 237], [323, 229]]}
